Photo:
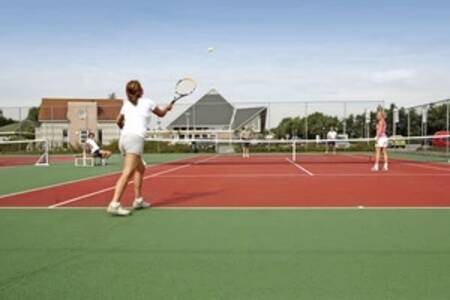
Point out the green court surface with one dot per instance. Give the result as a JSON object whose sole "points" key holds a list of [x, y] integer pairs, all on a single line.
{"points": [[21, 178], [225, 254]]}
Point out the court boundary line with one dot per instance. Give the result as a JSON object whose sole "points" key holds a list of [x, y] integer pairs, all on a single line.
{"points": [[89, 178], [256, 208], [81, 197], [424, 165], [294, 175], [427, 166], [298, 166]]}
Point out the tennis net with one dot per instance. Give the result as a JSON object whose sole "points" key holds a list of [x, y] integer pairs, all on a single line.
{"points": [[418, 149], [24, 152]]}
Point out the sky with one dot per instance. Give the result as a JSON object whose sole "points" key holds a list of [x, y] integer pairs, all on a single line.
{"points": [[397, 51]]}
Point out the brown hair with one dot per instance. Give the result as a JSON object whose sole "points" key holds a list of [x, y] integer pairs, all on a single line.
{"points": [[134, 90]]}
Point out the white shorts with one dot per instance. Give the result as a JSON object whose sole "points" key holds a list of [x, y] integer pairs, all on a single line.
{"points": [[382, 142], [131, 144]]}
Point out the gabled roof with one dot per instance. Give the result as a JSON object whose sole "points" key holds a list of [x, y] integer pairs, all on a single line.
{"points": [[53, 109], [211, 109], [245, 115]]}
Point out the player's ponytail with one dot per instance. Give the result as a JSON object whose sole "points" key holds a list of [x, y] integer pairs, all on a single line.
{"points": [[134, 90]]}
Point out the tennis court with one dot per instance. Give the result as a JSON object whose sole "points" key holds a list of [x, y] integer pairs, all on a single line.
{"points": [[224, 227], [262, 181]]}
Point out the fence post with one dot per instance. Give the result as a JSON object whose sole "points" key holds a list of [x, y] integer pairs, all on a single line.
{"points": [[345, 118], [447, 127], [306, 120]]}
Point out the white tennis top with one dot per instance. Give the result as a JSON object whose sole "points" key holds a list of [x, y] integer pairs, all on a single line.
{"points": [[92, 145], [331, 135], [137, 117]]}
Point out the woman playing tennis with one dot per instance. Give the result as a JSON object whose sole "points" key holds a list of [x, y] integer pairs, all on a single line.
{"points": [[381, 142], [133, 120]]}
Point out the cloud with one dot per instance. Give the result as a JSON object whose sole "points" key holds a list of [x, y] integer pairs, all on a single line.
{"points": [[392, 76]]}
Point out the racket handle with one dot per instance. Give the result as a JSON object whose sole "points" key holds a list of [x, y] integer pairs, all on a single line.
{"points": [[176, 99]]}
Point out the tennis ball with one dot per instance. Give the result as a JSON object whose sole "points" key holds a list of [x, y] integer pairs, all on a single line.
{"points": [[360, 207], [210, 49]]}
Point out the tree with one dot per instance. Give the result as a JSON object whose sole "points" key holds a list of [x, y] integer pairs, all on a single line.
{"points": [[5, 121], [410, 122], [33, 114], [437, 117]]}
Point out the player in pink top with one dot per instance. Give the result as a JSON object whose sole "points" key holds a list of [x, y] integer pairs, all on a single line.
{"points": [[381, 142]]}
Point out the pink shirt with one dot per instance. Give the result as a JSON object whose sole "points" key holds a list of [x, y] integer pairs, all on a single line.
{"points": [[381, 129]]}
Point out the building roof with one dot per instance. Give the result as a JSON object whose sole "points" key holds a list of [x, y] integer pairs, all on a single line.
{"points": [[214, 110], [245, 115], [55, 109], [211, 109]]}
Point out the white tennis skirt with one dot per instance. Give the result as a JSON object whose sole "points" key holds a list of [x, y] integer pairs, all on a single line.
{"points": [[131, 144], [382, 142]]}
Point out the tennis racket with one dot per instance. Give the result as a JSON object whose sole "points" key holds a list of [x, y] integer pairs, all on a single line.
{"points": [[183, 88]]}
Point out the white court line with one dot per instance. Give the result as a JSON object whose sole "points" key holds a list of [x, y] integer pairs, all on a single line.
{"points": [[239, 208], [300, 167], [235, 175], [89, 178], [275, 175], [383, 174], [425, 166], [112, 187]]}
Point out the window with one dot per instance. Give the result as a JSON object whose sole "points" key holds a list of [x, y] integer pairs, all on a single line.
{"points": [[82, 114], [100, 136], [83, 135], [64, 140]]}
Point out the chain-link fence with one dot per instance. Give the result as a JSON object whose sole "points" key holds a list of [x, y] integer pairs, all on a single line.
{"points": [[69, 122]]}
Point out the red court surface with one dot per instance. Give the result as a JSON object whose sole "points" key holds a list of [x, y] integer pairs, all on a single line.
{"points": [[261, 181]]}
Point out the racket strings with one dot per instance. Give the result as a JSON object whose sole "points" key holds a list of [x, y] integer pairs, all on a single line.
{"points": [[185, 86]]}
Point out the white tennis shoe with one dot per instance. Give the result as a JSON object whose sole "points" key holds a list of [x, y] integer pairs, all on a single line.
{"points": [[375, 168], [139, 203], [385, 168], [115, 209]]}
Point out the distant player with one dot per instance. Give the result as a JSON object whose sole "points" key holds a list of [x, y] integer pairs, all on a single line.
{"points": [[331, 140], [246, 136], [95, 150], [381, 142], [133, 121]]}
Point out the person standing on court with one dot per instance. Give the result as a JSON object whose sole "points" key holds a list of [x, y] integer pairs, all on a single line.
{"points": [[133, 121], [246, 136], [381, 142], [331, 140]]}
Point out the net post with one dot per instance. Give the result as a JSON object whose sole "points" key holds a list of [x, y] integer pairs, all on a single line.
{"points": [[84, 156], [46, 152], [44, 157], [294, 150]]}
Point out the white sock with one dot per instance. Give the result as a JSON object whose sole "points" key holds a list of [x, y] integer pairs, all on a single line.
{"points": [[139, 200], [115, 204]]}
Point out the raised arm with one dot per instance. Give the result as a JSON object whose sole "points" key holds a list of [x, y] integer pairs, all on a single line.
{"points": [[161, 112]]}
